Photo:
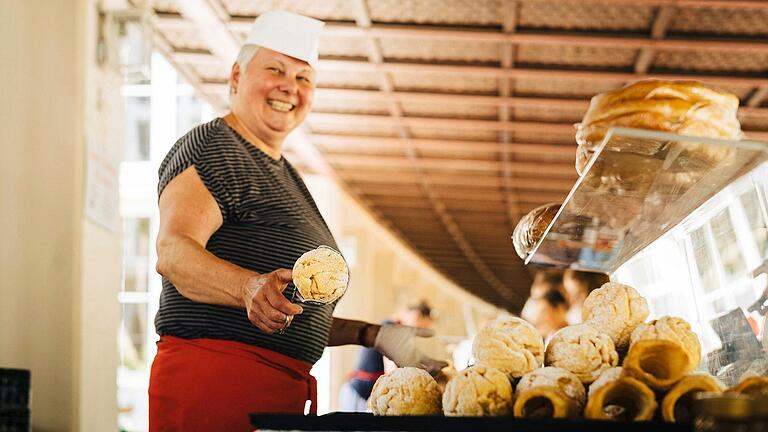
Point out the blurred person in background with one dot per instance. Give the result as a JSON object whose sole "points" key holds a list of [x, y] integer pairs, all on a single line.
{"points": [[547, 280], [547, 312], [371, 364], [578, 285]]}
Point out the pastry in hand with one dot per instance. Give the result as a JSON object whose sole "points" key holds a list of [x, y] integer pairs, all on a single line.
{"points": [[478, 391], [549, 392], [405, 391], [616, 310], [511, 345], [321, 275], [617, 396], [581, 350]]}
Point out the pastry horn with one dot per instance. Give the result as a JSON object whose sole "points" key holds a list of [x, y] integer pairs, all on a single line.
{"points": [[753, 386], [622, 399], [545, 402], [658, 363], [677, 404]]}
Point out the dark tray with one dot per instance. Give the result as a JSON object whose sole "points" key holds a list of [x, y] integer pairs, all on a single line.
{"points": [[367, 422]]}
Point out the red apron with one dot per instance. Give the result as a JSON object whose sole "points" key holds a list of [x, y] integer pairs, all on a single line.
{"points": [[210, 384]]}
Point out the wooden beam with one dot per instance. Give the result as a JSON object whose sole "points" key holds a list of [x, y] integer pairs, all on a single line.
{"points": [[539, 38], [566, 129], [494, 72], [353, 142], [757, 98], [364, 178], [210, 28], [658, 30], [384, 162], [440, 123]]}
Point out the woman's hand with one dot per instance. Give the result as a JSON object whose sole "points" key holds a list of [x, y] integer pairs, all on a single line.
{"points": [[267, 307]]}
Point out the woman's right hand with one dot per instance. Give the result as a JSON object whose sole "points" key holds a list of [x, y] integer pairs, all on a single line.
{"points": [[267, 307]]}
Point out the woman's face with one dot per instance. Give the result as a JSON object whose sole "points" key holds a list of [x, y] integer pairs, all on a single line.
{"points": [[273, 95]]}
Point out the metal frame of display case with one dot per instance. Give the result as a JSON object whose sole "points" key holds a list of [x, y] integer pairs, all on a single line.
{"points": [[369, 422]]}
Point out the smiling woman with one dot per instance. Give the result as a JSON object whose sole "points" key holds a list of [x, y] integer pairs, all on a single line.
{"points": [[234, 218]]}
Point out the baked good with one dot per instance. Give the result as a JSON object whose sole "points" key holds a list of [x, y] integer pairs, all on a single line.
{"points": [[683, 107], [478, 391], [549, 392], [321, 275], [581, 350], [662, 352], [511, 345], [405, 391], [677, 403], [752, 385], [616, 310], [530, 229], [617, 396]]}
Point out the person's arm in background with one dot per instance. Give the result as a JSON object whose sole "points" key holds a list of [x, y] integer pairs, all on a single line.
{"points": [[189, 215], [395, 341]]}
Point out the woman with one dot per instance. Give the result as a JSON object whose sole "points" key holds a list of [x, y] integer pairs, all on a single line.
{"points": [[234, 217], [578, 285]]}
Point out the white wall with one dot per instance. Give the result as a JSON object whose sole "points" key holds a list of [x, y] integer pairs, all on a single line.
{"points": [[59, 273]]}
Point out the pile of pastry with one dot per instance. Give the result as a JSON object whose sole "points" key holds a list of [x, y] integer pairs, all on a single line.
{"points": [[614, 366]]}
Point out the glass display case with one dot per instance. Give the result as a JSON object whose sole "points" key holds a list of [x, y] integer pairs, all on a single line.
{"points": [[685, 221]]}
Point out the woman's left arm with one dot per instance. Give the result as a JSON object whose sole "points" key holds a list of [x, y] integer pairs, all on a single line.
{"points": [[350, 332]]}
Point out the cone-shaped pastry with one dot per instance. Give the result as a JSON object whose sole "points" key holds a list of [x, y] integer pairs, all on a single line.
{"points": [[545, 402], [511, 345], [676, 406], [662, 352], [754, 386], [616, 396], [549, 392], [658, 363], [581, 350], [616, 310]]}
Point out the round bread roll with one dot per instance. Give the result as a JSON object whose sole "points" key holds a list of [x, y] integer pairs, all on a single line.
{"points": [[549, 392], [616, 310], [511, 345], [581, 350], [693, 91], [677, 404], [321, 275], [531, 228], [685, 108], [617, 396], [405, 391], [478, 391]]}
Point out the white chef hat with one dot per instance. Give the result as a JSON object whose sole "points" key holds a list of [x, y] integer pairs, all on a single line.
{"points": [[287, 33]]}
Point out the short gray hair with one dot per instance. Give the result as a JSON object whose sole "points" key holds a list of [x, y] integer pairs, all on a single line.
{"points": [[244, 57]]}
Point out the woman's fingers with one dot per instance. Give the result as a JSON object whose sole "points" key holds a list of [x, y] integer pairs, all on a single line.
{"points": [[274, 294], [268, 309]]}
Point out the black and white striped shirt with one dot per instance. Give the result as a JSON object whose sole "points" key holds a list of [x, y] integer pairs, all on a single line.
{"points": [[270, 219]]}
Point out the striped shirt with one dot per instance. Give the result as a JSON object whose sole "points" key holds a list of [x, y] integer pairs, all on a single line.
{"points": [[269, 220]]}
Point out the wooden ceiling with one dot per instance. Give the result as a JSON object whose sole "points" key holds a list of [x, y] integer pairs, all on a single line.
{"points": [[450, 119]]}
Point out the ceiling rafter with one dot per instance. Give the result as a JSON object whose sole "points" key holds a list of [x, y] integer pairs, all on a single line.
{"points": [[334, 142], [566, 129], [508, 13], [495, 72], [440, 123], [242, 24], [662, 20], [375, 56]]}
